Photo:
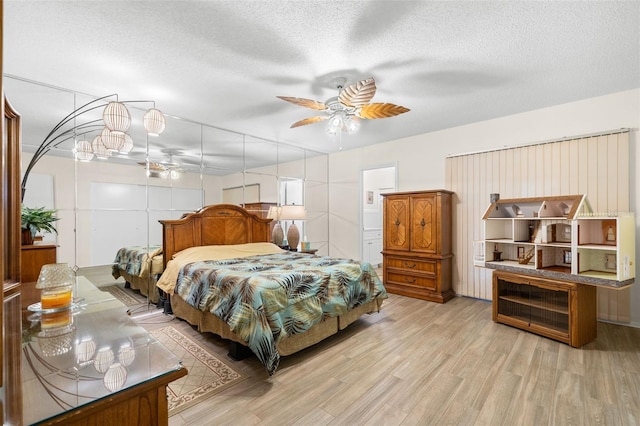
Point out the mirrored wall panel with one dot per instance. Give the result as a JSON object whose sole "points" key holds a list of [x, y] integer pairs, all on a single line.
{"points": [[115, 200]]}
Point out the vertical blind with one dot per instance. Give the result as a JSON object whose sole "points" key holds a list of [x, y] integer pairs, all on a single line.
{"points": [[595, 165]]}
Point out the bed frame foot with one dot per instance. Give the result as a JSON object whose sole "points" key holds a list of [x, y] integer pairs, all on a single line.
{"points": [[167, 307], [127, 284], [238, 351], [164, 303]]}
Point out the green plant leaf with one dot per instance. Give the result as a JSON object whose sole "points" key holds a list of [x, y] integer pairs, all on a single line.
{"points": [[38, 219]]}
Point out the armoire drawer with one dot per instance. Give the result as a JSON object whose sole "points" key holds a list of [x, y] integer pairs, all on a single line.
{"points": [[428, 266], [413, 280]]}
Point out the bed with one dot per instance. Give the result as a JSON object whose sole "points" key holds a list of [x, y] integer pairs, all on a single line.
{"points": [[224, 276], [139, 266]]}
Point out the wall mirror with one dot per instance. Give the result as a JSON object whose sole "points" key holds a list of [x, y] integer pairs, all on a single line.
{"points": [[106, 204]]}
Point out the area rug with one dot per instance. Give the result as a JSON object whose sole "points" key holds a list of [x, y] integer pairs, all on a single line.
{"points": [[125, 296], [207, 376]]}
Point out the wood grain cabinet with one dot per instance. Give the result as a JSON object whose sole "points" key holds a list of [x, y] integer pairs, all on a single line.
{"points": [[417, 258], [33, 257], [557, 309]]}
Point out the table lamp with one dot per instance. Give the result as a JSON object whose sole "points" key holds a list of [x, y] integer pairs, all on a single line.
{"points": [[293, 213], [277, 234]]}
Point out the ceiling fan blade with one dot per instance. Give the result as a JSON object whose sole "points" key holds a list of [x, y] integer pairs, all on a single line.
{"points": [[358, 94], [381, 110], [153, 166], [307, 103], [310, 120]]}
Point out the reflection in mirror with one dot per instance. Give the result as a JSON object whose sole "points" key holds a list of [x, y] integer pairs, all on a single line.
{"points": [[107, 205]]}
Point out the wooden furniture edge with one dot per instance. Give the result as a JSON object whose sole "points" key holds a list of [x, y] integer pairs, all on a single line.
{"points": [[154, 390], [178, 234]]}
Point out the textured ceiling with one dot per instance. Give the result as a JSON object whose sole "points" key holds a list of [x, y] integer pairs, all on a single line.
{"points": [[223, 63]]}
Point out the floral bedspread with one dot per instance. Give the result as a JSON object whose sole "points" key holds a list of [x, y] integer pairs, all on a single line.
{"points": [[263, 298], [134, 260]]}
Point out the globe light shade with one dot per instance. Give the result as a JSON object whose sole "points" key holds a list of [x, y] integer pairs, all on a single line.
{"points": [[127, 146], [352, 124], [116, 117], [98, 148], [154, 122], [115, 377], [111, 140], [83, 151], [104, 359]]}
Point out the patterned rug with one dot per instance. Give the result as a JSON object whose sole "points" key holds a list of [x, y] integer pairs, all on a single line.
{"points": [[207, 376], [127, 297]]}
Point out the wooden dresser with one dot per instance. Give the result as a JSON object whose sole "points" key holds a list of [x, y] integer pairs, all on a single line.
{"points": [[33, 257], [417, 258], [261, 209]]}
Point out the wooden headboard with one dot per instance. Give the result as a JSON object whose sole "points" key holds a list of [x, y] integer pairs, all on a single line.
{"points": [[218, 224]]}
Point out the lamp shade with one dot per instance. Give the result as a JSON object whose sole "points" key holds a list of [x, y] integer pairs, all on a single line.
{"points": [[154, 122], [274, 212], [111, 140], [99, 149], [128, 145], [83, 151], [116, 117], [277, 234], [293, 212]]}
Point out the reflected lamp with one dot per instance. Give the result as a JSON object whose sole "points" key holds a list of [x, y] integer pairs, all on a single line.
{"points": [[277, 234]]}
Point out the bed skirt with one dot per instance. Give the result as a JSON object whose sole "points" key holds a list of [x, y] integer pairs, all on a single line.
{"points": [[146, 285], [208, 322]]}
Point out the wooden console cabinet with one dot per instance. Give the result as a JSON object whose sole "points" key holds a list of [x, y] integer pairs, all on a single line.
{"points": [[33, 257], [561, 310], [417, 257]]}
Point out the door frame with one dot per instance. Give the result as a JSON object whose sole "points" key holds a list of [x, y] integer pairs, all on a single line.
{"points": [[361, 204]]}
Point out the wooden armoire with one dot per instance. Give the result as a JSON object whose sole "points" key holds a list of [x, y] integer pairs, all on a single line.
{"points": [[417, 258]]}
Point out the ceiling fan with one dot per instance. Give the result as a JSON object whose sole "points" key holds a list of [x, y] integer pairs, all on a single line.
{"points": [[345, 110], [162, 170]]}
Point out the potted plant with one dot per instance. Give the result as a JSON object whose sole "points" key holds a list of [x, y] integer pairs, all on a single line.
{"points": [[35, 220]]}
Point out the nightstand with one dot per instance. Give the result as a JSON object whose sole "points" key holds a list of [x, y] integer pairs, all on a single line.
{"points": [[309, 251]]}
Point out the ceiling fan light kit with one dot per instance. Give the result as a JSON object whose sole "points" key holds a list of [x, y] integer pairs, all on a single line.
{"points": [[345, 110], [161, 170]]}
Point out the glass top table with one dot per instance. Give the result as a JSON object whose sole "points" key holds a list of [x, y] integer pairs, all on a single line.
{"points": [[92, 351]]}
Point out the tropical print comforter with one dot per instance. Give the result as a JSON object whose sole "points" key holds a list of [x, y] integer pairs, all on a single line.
{"points": [[134, 260], [264, 298]]}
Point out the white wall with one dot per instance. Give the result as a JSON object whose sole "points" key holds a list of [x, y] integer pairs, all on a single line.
{"points": [[73, 195], [413, 154]]}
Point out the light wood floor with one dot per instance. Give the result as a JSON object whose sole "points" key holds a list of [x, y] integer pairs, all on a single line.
{"points": [[421, 363]]}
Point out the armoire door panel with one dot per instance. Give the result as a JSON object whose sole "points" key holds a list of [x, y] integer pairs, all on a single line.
{"points": [[424, 223], [396, 224]]}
